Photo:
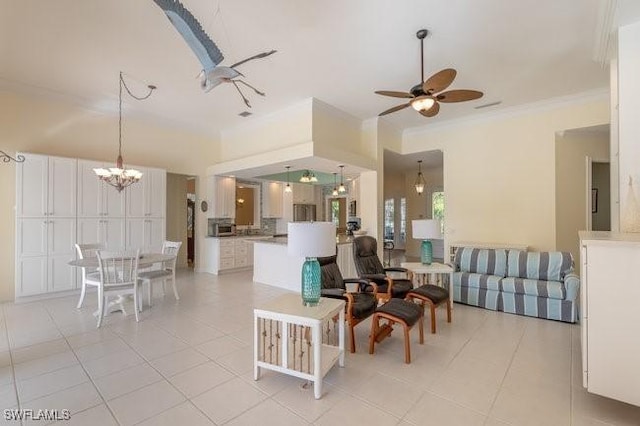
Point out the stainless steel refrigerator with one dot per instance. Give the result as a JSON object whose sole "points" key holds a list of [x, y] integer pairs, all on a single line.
{"points": [[304, 212]]}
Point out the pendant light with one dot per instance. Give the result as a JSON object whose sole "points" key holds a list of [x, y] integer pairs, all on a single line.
{"points": [[118, 176], [341, 188], [288, 187], [335, 184], [420, 182]]}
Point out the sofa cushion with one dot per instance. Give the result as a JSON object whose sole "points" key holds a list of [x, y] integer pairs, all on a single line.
{"points": [[481, 261], [539, 288], [466, 279], [545, 265]]}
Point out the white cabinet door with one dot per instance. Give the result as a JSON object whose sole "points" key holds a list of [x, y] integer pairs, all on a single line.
{"points": [[31, 237], [89, 230], [89, 190], [221, 192], [62, 186], [62, 236], [272, 199], [147, 198], [113, 202], [112, 234], [154, 235], [31, 186], [31, 276], [135, 198], [60, 275], [303, 193], [136, 233], [155, 193]]}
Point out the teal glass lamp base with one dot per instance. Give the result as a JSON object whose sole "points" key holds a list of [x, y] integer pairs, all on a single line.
{"points": [[426, 252], [311, 284]]}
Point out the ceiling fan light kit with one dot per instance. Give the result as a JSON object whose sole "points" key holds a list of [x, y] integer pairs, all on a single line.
{"points": [[425, 97]]}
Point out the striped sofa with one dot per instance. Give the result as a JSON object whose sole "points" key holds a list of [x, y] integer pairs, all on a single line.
{"points": [[537, 284]]}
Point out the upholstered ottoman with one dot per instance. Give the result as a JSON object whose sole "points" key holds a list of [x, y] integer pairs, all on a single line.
{"points": [[432, 295], [401, 312]]}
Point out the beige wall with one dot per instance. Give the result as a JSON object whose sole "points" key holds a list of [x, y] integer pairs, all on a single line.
{"points": [[499, 173], [601, 180], [571, 151], [177, 214], [60, 128]]}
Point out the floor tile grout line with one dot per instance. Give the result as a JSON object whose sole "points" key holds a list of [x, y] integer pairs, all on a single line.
{"points": [[515, 350], [86, 373], [13, 370]]}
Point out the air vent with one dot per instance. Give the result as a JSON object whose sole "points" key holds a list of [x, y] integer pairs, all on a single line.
{"points": [[245, 114], [488, 105]]}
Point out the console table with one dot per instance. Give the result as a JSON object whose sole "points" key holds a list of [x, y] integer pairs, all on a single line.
{"points": [[298, 340]]}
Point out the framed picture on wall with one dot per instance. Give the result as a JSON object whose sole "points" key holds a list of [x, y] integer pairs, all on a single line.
{"points": [[352, 208], [594, 200]]}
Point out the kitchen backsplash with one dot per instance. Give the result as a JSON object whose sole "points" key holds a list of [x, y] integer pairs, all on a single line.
{"points": [[267, 225]]}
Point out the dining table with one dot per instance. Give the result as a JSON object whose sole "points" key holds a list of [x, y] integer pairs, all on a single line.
{"points": [[144, 261]]}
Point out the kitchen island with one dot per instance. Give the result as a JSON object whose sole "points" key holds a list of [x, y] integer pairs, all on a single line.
{"points": [[272, 265]]}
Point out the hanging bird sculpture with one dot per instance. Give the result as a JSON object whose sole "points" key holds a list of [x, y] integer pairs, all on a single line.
{"points": [[206, 51]]}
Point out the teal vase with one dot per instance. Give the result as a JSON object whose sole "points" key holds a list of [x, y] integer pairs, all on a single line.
{"points": [[426, 252], [310, 282]]}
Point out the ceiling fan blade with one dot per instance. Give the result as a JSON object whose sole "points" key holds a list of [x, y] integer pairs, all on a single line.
{"points": [[394, 109], [439, 81], [431, 111], [394, 94], [459, 95]]}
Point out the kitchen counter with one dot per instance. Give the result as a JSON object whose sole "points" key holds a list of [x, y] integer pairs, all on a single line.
{"points": [[272, 264]]}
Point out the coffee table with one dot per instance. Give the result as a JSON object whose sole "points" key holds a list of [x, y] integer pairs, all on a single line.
{"points": [[288, 338]]}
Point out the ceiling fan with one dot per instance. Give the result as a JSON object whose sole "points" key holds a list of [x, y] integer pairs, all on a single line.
{"points": [[426, 97]]}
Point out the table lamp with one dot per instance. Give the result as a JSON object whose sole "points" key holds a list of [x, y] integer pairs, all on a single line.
{"points": [[426, 230], [311, 240]]}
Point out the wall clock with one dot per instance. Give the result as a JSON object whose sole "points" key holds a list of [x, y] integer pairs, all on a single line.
{"points": [[204, 206]]}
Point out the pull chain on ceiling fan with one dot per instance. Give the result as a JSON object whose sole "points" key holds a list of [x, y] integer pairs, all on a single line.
{"points": [[426, 97]]}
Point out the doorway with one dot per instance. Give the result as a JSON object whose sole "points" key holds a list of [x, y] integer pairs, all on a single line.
{"points": [[599, 199], [337, 213]]}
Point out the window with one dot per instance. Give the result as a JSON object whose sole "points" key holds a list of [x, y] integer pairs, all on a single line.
{"points": [[437, 207], [389, 212], [335, 212]]}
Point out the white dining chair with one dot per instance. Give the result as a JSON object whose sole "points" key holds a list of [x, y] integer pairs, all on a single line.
{"points": [[166, 272], [90, 276], [118, 277]]}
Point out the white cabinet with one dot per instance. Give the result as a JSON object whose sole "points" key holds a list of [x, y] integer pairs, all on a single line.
{"points": [[45, 224], [272, 199], [146, 234], [230, 254], [44, 246], [221, 193], [610, 289], [108, 231], [96, 198], [147, 198], [46, 186], [303, 193]]}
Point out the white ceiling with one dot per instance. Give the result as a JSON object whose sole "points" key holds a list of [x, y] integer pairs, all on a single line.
{"points": [[337, 51]]}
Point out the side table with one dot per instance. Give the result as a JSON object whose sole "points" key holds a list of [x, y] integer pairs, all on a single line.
{"points": [[421, 271], [297, 340]]}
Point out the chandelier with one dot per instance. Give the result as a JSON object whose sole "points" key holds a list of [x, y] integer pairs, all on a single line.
{"points": [[420, 182], [6, 158], [308, 177], [118, 176]]}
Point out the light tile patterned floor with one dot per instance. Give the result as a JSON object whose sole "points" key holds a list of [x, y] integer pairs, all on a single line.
{"points": [[190, 362]]}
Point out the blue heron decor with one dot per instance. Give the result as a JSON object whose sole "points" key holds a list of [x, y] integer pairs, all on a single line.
{"points": [[209, 55]]}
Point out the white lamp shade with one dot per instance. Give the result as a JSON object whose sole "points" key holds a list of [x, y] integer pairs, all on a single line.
{"points": [[426, 229], [311, 239]]}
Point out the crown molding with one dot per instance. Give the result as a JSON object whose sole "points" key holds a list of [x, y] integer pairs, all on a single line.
{"points": [[606, 35], [515, 111]]}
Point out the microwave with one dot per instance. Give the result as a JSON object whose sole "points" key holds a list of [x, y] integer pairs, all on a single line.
{"points": [[222, 229]]}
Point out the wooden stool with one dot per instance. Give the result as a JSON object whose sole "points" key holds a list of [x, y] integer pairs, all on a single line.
{"points": [[433, 296], [401, 312]]}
